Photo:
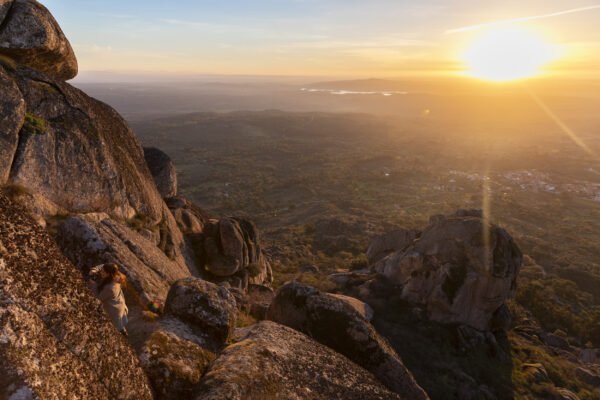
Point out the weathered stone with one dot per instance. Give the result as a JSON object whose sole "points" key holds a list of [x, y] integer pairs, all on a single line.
{"points": [[537, 372], [275, 362], [501, 319], [361, 307], [5, 6], [175, 360], [259, 300], [310, 268], [590, 356], [390, 242], [566, 394], [187, 221], [556, 341], [232, 245], [207, 308], [472, 391], [86, 158], [460, 268], [335, 323], [39, 207], [56, 341], [177, 202], [93, 239], [587, 376], [31, 36], [343, 278], [163, 171], [227, 249], [12, 116]]}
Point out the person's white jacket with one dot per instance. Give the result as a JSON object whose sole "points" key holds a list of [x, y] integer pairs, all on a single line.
{"points": [[113, 301]]}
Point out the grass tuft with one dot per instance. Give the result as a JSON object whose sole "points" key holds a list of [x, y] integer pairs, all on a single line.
{"points": [[34, 125]]}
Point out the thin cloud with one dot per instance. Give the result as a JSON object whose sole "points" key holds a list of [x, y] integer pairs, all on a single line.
{"points": [[510, 21]]}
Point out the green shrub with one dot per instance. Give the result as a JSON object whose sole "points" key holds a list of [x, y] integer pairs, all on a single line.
{"points": [[34, 125]]}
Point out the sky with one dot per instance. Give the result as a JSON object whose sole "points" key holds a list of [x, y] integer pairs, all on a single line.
{"points": [[346, 38]]}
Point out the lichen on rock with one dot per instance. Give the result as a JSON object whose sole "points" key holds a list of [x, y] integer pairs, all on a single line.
{"points": [[208, 309], [272, 361], [55, 339], [31, 36], [336, 323]]}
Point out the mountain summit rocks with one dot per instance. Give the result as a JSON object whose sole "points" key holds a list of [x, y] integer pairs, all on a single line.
{"points": [[163, 171], [74, 150], [461, 269], [336, 323], [272, 361], [31, 36]]}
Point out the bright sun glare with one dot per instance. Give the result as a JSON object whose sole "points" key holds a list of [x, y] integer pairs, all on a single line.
{"points": [[507, 54]]}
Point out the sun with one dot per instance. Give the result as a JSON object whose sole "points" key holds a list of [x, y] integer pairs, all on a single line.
{"points": [[507, 54]]}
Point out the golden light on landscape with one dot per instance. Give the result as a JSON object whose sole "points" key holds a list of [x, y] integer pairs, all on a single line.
{"points": [[507, 54]]}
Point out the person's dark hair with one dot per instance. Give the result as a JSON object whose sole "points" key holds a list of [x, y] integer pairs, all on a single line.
{"points": [[112, 270]]}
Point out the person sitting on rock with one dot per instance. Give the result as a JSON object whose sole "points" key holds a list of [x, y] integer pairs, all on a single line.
{"points": [[110, 292]]}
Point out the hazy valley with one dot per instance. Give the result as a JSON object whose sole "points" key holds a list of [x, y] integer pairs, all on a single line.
{"points": [[321, 185], [271, 237]]}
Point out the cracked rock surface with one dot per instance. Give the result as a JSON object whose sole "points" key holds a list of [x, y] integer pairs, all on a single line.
{"points": [[55, 339]]}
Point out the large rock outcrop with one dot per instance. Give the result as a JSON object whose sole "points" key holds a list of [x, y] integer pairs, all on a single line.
{"points": [[163, 171], [232, 245], [92, 239], [396, 240], [31, 36], [335, 323], [175, 359], [228, 249], [74, 150], [208, 309], [461, 269], [55, 339], [276, 362]]}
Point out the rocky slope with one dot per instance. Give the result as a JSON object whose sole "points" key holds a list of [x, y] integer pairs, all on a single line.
{"points": [[78, 169], [55, 339], [335, 323], [272, 361]]}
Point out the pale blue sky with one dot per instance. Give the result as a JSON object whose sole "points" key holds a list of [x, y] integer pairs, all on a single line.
{"points": [[303, 37]]}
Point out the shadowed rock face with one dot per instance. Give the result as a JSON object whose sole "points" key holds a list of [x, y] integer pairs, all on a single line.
{"points": [[228, 249], [461, 269], [30, 35], [206, 308], [12, 116], [92, 239], [337, 324], [276, 362], [393, 241], [232, 245], [163, 171], [75, 151], [175, 359], [55, 339]]}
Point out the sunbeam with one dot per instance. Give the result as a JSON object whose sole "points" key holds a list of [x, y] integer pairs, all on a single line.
{"points": [[563, 127]]}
